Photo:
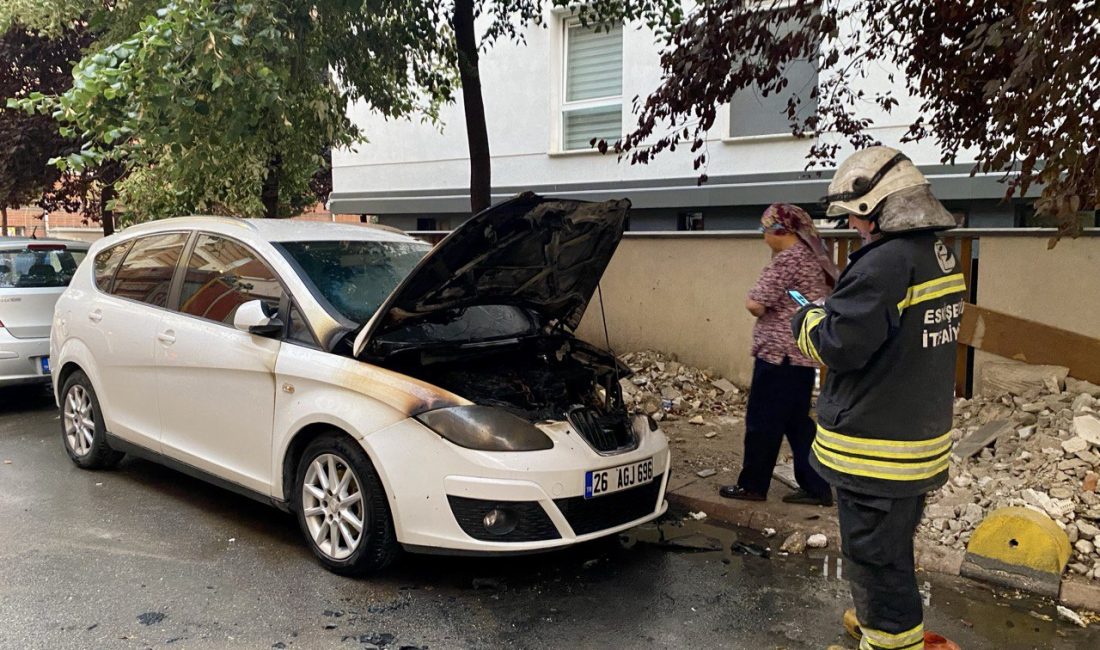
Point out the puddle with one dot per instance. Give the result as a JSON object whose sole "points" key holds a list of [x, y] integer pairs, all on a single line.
{"points": [[999, 618]]}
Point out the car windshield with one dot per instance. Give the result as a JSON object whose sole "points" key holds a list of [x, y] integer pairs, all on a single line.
{"points": [[38, 266], [355, 276]]}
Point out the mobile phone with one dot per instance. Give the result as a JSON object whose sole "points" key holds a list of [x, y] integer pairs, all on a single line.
{"points": [[798, 297]]}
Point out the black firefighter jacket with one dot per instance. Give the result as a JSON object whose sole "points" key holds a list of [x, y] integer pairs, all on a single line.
{"points": [[887, 336]]}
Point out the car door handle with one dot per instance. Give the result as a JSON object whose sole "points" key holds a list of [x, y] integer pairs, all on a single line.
{"points": [[95, 316], [167, 338]]}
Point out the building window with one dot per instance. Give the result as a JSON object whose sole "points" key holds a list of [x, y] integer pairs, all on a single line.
{"points": [[689, 221], [753, 114], [426, 223], [592, 106]]}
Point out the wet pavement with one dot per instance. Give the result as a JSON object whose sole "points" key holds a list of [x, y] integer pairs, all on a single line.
{"points": [[145, 557]]}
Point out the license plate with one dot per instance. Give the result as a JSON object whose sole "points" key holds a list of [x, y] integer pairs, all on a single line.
{"points": [[45, 365], [605, 481]]}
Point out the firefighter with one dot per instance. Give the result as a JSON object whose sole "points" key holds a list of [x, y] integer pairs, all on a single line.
{"points": [[887, 336]]}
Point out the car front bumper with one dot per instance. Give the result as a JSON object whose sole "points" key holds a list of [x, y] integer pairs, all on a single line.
{"points": [[21, 359], [430, 491]]}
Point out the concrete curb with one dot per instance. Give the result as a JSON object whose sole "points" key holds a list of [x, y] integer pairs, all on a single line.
{"points": [[697, 495]]}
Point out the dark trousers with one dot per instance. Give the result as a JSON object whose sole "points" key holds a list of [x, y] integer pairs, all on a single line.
{"points": [[876, 536], [779, 405]]}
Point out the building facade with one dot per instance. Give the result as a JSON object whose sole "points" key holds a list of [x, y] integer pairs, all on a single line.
{"points": [[546, 99]]}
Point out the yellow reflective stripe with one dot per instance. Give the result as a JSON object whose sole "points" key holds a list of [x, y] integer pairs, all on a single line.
{"points": [[904, 639], [880, 470], [933, 289], [886, 448], [805, 343]]}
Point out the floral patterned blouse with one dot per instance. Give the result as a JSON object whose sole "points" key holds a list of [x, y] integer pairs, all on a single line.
{"points": [[795, 268]]}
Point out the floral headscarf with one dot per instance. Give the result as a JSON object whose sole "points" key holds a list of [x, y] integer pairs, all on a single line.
{"points": [[795, 220]]}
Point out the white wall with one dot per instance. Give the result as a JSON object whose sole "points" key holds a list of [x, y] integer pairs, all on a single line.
{"points": [[520, 90]]}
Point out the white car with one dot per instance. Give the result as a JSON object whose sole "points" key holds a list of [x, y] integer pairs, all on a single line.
{"points": [[33, 273], [388, 393]]}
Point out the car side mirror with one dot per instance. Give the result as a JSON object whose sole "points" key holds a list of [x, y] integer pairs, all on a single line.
{"points": [[253, 317]]}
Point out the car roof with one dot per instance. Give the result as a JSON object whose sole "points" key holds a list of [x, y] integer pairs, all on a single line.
{"points": [[274, 230], [22, 242]]}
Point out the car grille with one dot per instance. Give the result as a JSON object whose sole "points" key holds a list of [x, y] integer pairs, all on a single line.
{"points": [[533, 526], [603, 433], [590, 515]]}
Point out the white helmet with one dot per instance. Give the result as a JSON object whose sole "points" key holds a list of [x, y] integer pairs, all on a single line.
{"points": [[875, 175]]}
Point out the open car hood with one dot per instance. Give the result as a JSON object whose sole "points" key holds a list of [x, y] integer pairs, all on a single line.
{"points": [[543, 254]]}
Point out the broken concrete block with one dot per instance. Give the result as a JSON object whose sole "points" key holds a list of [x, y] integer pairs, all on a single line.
{"points": [[698, 419], [725, 385], [1080, 386], [1090, 482], [1074, 445], [1087, 427], [939, 511], [706, 473], [1017, 378], [817, 540], [986, 435]]}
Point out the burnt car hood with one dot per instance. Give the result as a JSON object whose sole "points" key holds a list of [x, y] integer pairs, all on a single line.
{"points": [[542, 254]]}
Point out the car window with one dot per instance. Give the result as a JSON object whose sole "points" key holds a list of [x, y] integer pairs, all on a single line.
{"points": [[297, 328], [146, 273], [38, 266], [106, 262], [355, 276], [223, 274]]}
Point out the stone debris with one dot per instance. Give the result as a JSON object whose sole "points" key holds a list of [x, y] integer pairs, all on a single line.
{"points": [[769, 532], [1068, 614], [1036, 444], [1018, 378], [666, 389], [697, 516], [706, 473], [794, 544], [817, 540]]}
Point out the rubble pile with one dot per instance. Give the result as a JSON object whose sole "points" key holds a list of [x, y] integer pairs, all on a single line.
{"points": [[1037, 446], [666, 389]]}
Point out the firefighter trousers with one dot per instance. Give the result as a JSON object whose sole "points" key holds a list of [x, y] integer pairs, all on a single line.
{"points": [[877, 543]]}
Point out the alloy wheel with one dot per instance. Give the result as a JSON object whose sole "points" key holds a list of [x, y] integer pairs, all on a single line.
{"points": [[79, 420], [332, 504]]}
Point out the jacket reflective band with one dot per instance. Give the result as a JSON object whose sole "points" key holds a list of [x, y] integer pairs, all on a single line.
{"points": [[891, 460], [879, 640], [805, 344], [933, 289]]}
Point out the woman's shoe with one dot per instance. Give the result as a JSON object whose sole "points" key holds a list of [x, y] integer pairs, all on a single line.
{"points": [[738, 492]]}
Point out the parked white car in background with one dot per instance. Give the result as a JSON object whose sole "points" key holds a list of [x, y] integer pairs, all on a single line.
{"points": [[33, 273], [388, 393]]}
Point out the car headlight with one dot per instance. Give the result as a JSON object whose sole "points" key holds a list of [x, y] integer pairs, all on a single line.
{"points": [[485, 428]]}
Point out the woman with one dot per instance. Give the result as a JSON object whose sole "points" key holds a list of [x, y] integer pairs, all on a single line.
{"points": [[782, 378]]}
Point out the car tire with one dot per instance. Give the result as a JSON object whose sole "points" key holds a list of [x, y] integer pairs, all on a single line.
{"points": [[82, 429], [335, 487]]}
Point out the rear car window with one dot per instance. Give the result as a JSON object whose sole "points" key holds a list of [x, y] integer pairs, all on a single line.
{"points": [[223, 274], [355, 276], [146, 273], [106, 262], [38, 266]]}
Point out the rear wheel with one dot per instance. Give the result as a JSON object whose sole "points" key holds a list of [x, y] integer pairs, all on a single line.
{"points": [[82, 430], [342, 507]]}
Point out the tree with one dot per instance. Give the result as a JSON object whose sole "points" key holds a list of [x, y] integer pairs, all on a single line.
{"points": [[231, 107], [1012, 82], [33, 63]]}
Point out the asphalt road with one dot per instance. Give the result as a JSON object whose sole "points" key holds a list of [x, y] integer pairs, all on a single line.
{"points": [[145, 557]]}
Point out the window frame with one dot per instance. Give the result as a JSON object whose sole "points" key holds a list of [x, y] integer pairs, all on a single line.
{"points": [[729, 137], [285, 301], [566, 106], [133, 242]]}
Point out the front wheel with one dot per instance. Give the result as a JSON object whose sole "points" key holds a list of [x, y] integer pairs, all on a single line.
{"points": [[82, 430], [342, 507]]}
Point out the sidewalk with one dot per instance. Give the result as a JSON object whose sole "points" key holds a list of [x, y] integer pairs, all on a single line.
{"points": [[689, 493]]}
